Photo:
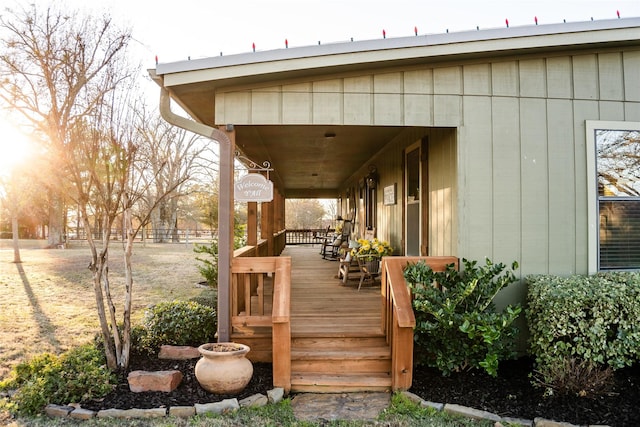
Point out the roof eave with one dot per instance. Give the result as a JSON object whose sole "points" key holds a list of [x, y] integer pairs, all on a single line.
{"points": [[368, 53]]}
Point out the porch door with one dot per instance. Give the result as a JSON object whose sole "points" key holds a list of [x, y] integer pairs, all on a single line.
{"points": [[412, 200]]}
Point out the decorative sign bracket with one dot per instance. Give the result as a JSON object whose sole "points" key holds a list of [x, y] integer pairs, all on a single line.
{"points": [[254, 187], [253, 166]]}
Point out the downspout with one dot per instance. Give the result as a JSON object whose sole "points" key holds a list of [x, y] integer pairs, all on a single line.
{"points": [[225, 204]]}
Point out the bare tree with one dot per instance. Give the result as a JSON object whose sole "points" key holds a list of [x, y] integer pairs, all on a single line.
{"points": [[304, 213], [52, 71], [69, 77], [174, 161]]}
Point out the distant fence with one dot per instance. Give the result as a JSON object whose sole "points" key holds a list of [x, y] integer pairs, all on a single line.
{"points": [[179, 235], [306, 236], [293, 237]]}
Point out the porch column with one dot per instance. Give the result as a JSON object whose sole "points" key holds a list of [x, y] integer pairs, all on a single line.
{"points": [[279, 211], [266, 225], [252, 223], [225, 233]]}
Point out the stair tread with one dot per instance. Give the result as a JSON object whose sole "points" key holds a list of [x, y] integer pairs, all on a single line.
{"points": [[354, 379], [333, 354]]}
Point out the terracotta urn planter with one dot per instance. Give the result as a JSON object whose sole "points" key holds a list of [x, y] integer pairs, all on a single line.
{"points": [[223, 368]]}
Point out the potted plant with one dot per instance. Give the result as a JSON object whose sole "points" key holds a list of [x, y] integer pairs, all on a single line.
{"points": [[370, 252], [224, 368]]}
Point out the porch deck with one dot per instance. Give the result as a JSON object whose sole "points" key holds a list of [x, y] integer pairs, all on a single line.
{"points": [[322, 306]]}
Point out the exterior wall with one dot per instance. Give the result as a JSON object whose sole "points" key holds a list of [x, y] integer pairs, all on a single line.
{"points": [[442, 203], [520, 184]]}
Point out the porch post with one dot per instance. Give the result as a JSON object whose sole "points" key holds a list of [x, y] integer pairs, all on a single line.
{"points": [[252, 223], [225, 233], [279, 211], [266, 225]]}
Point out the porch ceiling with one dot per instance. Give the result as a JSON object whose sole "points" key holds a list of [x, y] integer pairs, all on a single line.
{"points": [[309, 161]]}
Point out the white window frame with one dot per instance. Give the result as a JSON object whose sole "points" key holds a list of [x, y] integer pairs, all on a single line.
{"points": [[592, 185]]}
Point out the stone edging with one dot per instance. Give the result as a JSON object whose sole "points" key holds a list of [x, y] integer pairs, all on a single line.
{"points": [[477, 414], [275, 396], [75, 411]]}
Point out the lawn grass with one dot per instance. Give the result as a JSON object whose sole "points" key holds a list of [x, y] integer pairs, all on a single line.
{"points": [[47, 302]]}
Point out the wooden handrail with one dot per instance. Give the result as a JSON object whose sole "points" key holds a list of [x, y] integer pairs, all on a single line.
{"points": [[281, 317], [249, 272], [398, 319]]}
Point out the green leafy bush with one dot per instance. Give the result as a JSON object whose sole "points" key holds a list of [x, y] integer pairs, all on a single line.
{"points": [[590, 318], [209, 267], [457, 326], [179, 323], [74, 376]]}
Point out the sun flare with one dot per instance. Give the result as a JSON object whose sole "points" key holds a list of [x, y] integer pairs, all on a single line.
{"points": [[14, 147]]}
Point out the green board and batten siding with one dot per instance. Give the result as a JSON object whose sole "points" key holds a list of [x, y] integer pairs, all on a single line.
{"points": [[507, 151]]}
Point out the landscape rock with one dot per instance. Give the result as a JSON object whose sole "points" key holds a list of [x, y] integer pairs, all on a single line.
{"points": [[470, 412], [541, 422], [339, 406], [178, 352], [221, 407], [58, 411], [166, 381], [182, 411], [275, 395], [82, 414], [257, 400], [132, 413], [434, 405]]}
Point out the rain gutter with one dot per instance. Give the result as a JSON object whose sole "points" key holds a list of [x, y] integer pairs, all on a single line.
{"points": [[225, 202]]}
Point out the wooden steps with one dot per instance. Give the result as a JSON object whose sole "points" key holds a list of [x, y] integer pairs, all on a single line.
{"points": [[338, 364], [337, 343]]}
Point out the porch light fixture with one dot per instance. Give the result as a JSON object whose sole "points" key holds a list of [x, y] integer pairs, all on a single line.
{"points": [[372, 177]]}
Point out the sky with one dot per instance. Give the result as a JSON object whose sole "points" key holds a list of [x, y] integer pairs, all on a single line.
{"points": [[178, 30]]}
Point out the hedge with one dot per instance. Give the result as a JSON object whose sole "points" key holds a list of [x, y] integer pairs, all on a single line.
{"points": [[591, 318]]}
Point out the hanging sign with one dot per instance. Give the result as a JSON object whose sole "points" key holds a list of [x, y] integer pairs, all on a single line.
{"points": [[253, 187]]}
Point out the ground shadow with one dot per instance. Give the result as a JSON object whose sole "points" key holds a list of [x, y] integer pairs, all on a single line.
{"points": [[46, 329]]}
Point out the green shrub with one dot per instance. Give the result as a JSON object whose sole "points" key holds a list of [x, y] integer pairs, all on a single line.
{"points": [[209, 267], [457, 326], [179, 323], [590, 318], [74, 376]]}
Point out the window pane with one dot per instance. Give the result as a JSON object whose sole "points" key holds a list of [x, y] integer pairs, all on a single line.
{"points": [[619, 234], [618, 154]]}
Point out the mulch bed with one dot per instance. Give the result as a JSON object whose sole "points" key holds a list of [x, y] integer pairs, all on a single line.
{"points": [[510, 394]]}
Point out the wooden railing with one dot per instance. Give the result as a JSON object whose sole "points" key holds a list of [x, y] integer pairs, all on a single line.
{"points": [[249, 275], [398, 320], [307, 236]]}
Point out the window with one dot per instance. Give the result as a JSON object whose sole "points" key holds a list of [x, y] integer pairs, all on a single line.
{"points": [[615, 216]]}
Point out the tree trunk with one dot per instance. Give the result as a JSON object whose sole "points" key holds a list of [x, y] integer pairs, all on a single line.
{"points": [[56, 226], [16, 243], [128, 276]]}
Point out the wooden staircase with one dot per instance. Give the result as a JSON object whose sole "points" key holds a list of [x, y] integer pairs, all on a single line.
{"points": [[322, 335], [331, 364]]}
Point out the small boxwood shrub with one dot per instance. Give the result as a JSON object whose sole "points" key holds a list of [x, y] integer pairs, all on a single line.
{"points": [[74, 376], [589, 318], [457, 326], [179, 323]]}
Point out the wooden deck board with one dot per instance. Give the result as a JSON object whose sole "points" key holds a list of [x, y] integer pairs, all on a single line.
{"points": [[321, 304]]}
